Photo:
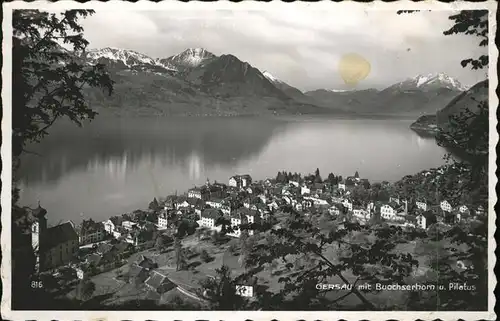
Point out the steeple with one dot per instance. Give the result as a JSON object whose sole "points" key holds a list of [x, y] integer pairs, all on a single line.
{"points": [[39, 212]]}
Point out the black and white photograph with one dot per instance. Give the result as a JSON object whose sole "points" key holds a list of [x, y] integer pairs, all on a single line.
{"points": [[252, 157]]}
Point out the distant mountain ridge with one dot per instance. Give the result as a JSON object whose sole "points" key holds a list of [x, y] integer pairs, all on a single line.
{"points": [[194, 82], [204, 83], [417, 95], [430, 82]]}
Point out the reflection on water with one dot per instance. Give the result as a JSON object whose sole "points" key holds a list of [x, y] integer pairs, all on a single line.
{"points": [[115, 166]]}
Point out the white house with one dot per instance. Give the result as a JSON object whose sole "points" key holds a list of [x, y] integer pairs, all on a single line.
{"points": [[233, 181], [334, 210], [463, 209], [445, 206], [395, 200], [347, 204], [209, 218], [387, 212], [341, 185], [199, 193], [240, 181], [304, 190], [244, 290], [361, 214], [317, 201], [90, 232], [421, 205], [117, 233], [128, 225], [162, 221], [215, 203], [184, 204], [426, 219], [243, 216], [109, 226]]}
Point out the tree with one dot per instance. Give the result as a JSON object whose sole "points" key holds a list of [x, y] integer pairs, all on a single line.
{"points": [[154, 205], [244, 249], [306, 252], [221, 291], [85, 289], [356, 175], [180, 255], [48, 83], [317, 176], [161, 243], [233, 247], [472, 22], [48, 80], [467, 132]]}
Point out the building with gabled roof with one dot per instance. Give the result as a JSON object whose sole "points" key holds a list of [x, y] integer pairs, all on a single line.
{"points": [[90, 231], [146, 263], [137, 274], [445, 206], [54, 246], [426, 219], [210, 218], [240, 181], [243, 216], [159, 283]]}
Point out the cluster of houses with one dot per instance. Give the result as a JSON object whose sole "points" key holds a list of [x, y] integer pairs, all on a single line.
{"points": [[241, 201], [63, 244], [244, 202]]}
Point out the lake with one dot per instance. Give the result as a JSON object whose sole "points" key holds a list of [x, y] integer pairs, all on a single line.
{"points": [[114, 166]]}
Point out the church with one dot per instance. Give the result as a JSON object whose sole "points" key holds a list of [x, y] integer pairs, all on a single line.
{"points": [[54, 246]]}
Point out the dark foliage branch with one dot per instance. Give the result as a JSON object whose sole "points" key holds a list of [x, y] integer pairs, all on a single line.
{"points": [[468, 22], [305, 254], [48, 80]]}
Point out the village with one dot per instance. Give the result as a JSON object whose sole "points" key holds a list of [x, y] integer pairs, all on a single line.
{"points": [[136, 254]]}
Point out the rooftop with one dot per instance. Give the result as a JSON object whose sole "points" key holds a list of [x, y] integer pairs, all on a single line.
{"points": [[59, 234], [211, 213]]}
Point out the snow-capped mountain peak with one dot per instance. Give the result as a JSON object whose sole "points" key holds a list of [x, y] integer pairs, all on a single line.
{"points": [[129, 58], [191, 57], [270, 77], [440, 79]]}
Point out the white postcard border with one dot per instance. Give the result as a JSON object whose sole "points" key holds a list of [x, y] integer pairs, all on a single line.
{"points": [[6, 174]]}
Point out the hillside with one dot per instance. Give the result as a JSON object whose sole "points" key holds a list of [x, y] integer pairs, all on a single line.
{"points": [[466, 100], [290, 91]]}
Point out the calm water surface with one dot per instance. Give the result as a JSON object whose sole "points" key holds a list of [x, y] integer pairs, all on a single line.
{"points": [[115, 166]]}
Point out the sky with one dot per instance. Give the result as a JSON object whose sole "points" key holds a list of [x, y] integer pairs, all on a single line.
{"points": [[300, 46]]}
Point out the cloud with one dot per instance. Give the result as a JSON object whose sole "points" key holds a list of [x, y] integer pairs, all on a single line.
{"points": [[300, 45]]}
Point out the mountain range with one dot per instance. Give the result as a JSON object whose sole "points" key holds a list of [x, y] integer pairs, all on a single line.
{"points": [[198, 82]]}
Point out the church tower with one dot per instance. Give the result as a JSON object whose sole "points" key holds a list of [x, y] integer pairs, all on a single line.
{"points": [[38, 229]]}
